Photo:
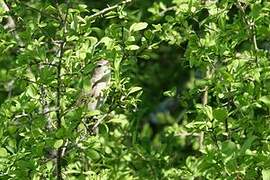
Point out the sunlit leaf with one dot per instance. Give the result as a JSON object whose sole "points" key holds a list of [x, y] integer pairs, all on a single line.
{"points": [[220, 114], [138, 26], [3, 152], [132, 47], [134, 89], [58, 143], [93, 154], [265, 100], [266, 174]]}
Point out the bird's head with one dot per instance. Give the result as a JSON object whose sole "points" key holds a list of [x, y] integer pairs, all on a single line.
{"points": [[102, 72], [103, 67]]}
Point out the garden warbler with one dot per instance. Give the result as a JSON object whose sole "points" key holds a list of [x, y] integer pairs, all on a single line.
{"points": [[99, 83]]}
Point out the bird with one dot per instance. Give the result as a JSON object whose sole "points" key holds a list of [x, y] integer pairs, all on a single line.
{"points": [[95, 97], [99, 83]]}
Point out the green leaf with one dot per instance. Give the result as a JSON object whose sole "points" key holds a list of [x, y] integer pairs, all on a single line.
{"points": [[92, 113], [266, 174], [119, 119], [103, 129], [131, 39], [31, 91], [93, 40], [220, 114], [132, 47], [42, 24], [49, 165], [228, 147], [134, 89], [138, 26], [247, 144], [157, 27], [265, 100], [93, 154], [108, 150], [51, 9], [58, 143], [3, 152], [107, 41], [46, 75], [170, 93], [72, 38], [207, 110]]}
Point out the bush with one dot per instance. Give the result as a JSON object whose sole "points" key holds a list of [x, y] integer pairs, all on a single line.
{"points": [[187, 97]]}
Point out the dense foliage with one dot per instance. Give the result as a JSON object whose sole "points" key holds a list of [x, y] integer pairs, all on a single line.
{"points": [[188, 96]]}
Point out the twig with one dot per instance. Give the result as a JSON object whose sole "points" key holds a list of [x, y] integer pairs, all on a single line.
{"points": [[99, 121], [254, 40], [251, 26], [37, 10], [185, 134], [21, 116], [204, 103], [10, 86], [109, 9], [162, 13], [64, 148]]}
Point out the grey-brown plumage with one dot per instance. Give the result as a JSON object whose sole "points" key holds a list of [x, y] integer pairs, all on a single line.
{"points": [[100, 79], [99, 82]]}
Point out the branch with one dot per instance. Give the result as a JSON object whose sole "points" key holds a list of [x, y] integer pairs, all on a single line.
{"points": [[204, 103], [64, 148], [185, 134], [37, 10], [162, 13], [104, 11], [251, 25], [95, 127], [58, 91], [205, 93]]}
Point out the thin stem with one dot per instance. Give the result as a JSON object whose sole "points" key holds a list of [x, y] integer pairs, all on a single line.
{"points": [[251, 26], [108, 9], [58, 111], [37, 10], [254, 40], [204, 103], [162, 13]]}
